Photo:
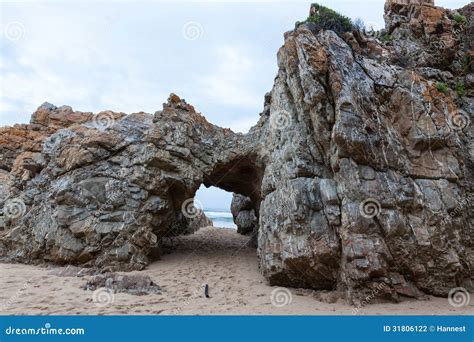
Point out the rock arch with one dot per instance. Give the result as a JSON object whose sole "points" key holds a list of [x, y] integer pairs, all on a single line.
{"points": [[242, 175]]}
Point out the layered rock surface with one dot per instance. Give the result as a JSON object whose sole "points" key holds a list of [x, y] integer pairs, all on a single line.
{"points": [[360, 170]]}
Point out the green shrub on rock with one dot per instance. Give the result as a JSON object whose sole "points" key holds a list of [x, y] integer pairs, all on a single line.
{"points": [[458, 18], [385, 37], [442, 87], [323, 18], [460, 89]]}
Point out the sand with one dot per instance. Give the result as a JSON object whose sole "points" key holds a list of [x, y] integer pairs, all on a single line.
{"points": [[220, 258]]}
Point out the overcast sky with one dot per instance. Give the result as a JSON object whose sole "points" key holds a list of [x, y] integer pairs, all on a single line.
{"points": [[129, 56]]}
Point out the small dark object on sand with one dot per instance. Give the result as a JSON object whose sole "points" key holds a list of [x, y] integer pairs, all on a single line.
{"points": [[206, 291]]}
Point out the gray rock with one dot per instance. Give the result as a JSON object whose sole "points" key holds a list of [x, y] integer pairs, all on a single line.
{"points": [[243, 211], [134, 284]]}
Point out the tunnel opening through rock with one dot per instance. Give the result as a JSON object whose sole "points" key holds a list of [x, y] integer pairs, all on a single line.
{"points": [[241, 178], [240, 175], [215, 203]]}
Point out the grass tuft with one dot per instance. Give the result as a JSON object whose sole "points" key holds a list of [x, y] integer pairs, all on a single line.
{"points": [[442, 87]]}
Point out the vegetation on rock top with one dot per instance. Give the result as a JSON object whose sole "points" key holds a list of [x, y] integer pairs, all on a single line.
{"points": [[324, 18], [460, 19]]}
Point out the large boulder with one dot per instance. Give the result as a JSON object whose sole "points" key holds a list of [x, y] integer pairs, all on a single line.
{"points": [[243, 213]]}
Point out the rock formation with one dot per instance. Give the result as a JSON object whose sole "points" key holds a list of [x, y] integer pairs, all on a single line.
{"points": [[243, 212], [136, 284], [360, 169]]}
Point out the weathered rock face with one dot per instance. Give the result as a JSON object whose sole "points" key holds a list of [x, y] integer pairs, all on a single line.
{"points": [[109, 189], [360, 170], [429, 36], [20, 151]]}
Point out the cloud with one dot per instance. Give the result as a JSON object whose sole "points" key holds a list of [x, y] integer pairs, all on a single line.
{"points": [[129, 56], [243, 125], [64, 58], [230, 82]]}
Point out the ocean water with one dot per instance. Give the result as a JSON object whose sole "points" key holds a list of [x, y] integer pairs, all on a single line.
{"points": [[221, 218]]}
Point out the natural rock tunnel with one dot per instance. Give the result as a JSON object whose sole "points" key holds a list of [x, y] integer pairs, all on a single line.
{"points": [[241, 176], [359, 170]]}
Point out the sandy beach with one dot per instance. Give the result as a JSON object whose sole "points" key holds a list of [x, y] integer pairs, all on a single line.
{"points": [[220, 258]]}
